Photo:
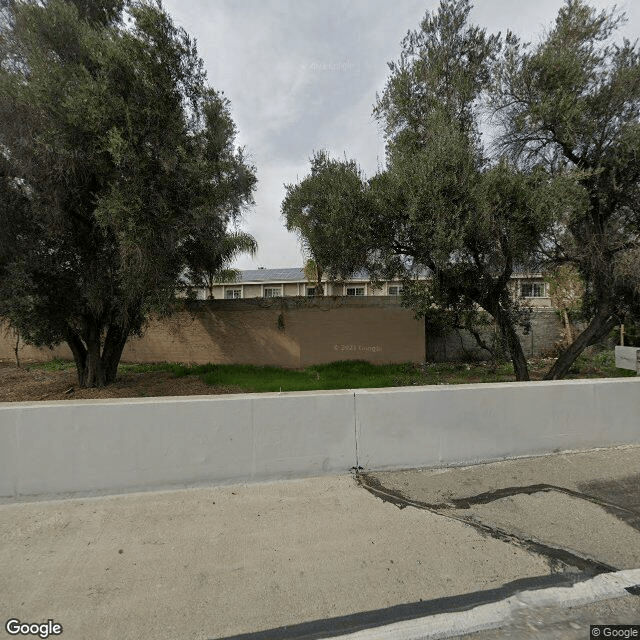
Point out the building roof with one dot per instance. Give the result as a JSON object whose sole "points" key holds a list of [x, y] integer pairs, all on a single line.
{"points": [[284, 275], [296, 274], [272, 275]]}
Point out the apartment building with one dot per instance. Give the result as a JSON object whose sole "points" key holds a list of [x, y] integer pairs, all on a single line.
{"points": [[276, 283]]}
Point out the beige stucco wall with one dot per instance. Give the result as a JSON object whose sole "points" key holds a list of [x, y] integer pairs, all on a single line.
{"points": [[251, 290], [26, 352], [373, 329], [218, 291], [294, 289], [542, 303], [289, 332]]}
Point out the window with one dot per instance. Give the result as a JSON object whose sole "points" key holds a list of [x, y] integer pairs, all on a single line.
{"points": [[311, 292], [272, 292], [355, 291], [532, 289], [232, 294], [394, 290]]}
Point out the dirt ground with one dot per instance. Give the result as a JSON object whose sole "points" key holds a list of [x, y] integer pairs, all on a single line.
{"points": [[37, 384], [30, 383]]}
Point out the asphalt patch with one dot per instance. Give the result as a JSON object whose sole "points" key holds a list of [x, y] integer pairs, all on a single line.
{"points": [[621, 497], [560, 559]]}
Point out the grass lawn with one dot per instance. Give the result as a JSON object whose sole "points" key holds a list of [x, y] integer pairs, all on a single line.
{"points": [[359, 374]]}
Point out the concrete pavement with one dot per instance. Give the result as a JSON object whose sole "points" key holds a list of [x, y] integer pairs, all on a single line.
{"points": [[580, 509], [586, 504], [311, 558]]}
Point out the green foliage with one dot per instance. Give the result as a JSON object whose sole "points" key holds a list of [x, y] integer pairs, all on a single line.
{"points": [[336, 375], [572, 104], [632, 334], [144, 368], [313, 275], [328, 210], [444, 67], [562, 185], [441, 206], [566, 289], [210, 255], [598, 364], [116, 157], [357, 374], [54, 365]]}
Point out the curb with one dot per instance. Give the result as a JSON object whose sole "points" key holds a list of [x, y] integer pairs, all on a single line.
{"points": [[605, 586]]}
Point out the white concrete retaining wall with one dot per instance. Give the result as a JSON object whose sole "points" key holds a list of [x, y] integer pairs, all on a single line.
{"points": [[91, 446], [88, 447], [434, 426]]}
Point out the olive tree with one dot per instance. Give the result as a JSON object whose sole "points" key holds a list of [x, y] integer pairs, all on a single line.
{"points": [[444, 205], [572, 104], [329, 211], [114, 155]]}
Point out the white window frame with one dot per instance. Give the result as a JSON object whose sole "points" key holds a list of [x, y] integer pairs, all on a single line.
{"points": [[397, 287], [232, 291], [355, 290], [311, 291], [272, 292], [532, 287]]}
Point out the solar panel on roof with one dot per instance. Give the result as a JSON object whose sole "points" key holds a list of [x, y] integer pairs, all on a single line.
{"points": [[272, 275], [291, 274]]}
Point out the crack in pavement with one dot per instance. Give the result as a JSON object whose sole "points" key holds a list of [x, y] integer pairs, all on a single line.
{"points": [[556, 556], [505, 492]]}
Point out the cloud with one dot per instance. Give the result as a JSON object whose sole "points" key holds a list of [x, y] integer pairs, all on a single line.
{"points": [[302, 75]]}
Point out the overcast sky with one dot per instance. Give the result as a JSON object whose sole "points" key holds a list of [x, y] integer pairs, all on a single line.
{"points": [[302, 75]]}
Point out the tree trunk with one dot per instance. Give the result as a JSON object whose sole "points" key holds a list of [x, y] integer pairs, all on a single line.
{"points": [[16, 349], [97, 367], [319, 285], [601, 324], [567, 326], [520, 366], [79, 354], [113, 346], [94, 371]]}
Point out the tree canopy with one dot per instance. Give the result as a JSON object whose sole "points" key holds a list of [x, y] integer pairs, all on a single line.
{"points": [[572, 104], [328, 210], [557, 187], [115, 155], [443, 204], [210, 255]]}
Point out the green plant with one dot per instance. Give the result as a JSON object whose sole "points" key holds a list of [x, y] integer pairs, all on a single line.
{"points": [[56, 364]]}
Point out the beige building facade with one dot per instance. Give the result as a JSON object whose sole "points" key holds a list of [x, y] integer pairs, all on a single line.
{"points": [[284, 283]]}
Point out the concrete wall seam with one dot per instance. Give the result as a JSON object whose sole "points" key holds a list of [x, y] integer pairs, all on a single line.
{"points": [[356, 435]]}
